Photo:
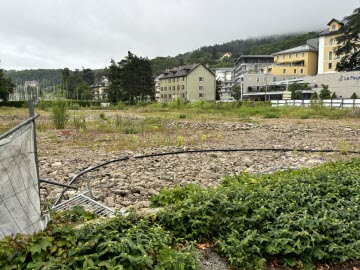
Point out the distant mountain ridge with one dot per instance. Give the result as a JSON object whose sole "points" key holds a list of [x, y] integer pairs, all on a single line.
{"points": [[206, 55]]}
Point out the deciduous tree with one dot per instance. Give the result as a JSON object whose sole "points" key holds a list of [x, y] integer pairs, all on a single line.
{"points": [[349, 43]]}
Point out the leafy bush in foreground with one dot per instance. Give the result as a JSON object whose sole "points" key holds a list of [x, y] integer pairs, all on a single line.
{"points": [[120, 243], [299, 217]]}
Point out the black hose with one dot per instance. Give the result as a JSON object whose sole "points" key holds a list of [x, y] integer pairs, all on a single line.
{"points": [[200, 151]]}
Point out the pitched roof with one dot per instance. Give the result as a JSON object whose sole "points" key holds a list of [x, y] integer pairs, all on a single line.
{"points": [[328, 32], [181, 71], [302, 48]]}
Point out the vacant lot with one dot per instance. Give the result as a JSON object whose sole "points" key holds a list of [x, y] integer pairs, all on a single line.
{"points": [[93, 137]]}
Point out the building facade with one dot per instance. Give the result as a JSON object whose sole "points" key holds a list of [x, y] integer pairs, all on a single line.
{"points": [[99, 90], [226, 76], [191, 83], [298, 61], [327, 45], [246, 64]]}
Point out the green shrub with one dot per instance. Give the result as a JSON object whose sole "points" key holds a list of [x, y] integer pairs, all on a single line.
{"points": [[120, 243], [271, 115], [80, 122], [15, 104], [182, 116], [299, 217], [59, 113]]}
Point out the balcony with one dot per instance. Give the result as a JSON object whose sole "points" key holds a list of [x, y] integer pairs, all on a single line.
{"points": [[300, 63]]}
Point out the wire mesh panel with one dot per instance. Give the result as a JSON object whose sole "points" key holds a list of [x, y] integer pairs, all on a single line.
{"points": [[19, 184], [87, 203]]}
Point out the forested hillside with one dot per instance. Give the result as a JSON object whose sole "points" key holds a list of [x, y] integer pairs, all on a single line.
{"points": [[211, 54], [206, 55]]}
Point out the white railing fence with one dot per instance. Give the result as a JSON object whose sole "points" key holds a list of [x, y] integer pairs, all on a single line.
{"points": [[333, 103]]}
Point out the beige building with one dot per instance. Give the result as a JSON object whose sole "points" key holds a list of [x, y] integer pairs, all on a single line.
{"points": [[327, 45], [192, 83], [99, 90], [301, 60]]}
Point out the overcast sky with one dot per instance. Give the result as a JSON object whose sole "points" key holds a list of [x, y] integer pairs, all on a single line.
{"points": [[88, 33]]}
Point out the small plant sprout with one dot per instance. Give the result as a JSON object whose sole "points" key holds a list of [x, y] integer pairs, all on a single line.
{"points": [[220, 136], [344, 149], [179, 141], [203, 137]]}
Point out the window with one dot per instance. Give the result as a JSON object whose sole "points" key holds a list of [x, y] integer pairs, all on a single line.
{"points": [[274, 79], [331, 41], [201, 79], [338, 56], [182, 87], [330, 65], [169, 80], [165, 96], [178, 87], [295, 71], [258, 79], [302, 71], [162, 89], [277, 57], [303, 54], [296, 55], [333, 27], [165, 88], [173, 79], [174, 87], [290, 55], [284, 70], [162, 95], [177, 79], [183, 95], [169, 96], [201, 87], [284, 56], [201, 95], [330, 55], [182, 78]]}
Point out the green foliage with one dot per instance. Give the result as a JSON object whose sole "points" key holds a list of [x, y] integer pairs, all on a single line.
{"points": [[131, 80], [299, 217], [349, 48], [354, 96], [293, 88], [325, 92], [120, 243], [80, 122], [41, 75], [236, 92], [15, 104], [6, 86], [218, 86], [333, 96], [182, 116], [59, 113]]}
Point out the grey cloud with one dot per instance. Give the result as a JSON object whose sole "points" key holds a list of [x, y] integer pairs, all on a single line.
{"points": [[68, 33]]}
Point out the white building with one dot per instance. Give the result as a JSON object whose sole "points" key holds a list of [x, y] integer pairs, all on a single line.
{"points": [[226, 76]]}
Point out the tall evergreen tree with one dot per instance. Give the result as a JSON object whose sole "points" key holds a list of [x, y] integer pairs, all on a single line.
{"points": [[6, 86], [131, 80], [349, 47]]}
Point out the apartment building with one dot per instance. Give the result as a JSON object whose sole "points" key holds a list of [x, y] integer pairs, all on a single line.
{"points": [[298, 61], [327, 45], [246, 64], [226, 76], [192, 83]]}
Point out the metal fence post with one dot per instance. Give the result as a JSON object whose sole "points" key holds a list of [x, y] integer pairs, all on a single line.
{"points": [[32, 114]]}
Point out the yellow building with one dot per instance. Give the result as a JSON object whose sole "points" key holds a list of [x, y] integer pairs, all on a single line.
{"points": [[327, 45], [193, 83], [298, 61]]}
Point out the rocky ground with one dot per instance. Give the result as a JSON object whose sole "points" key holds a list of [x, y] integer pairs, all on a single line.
{"points": [[130, 183]]}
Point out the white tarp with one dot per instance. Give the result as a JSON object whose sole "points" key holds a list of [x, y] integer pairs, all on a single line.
{"points": [[19, 185]]}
